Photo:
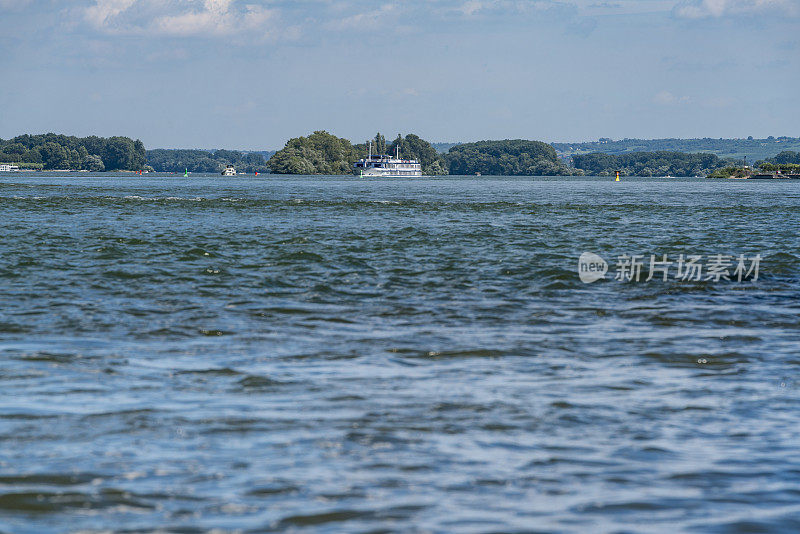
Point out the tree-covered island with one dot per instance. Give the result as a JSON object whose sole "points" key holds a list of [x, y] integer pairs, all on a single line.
{"points": [[324, 153], [318, 153], [515, 157], [52, 151]]}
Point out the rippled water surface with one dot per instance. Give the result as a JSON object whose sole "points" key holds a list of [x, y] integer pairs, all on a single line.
{"points": [[333, 354]]}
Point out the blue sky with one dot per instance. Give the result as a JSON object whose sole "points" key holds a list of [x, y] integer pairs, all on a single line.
{"points": [[250, 74]]}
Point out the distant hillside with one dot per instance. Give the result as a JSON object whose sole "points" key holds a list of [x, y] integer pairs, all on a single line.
{"points": [[443, 148], [266, 153], [753, 149]]}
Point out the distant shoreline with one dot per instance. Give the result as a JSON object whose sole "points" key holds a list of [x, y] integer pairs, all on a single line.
{"points": [[313, 155]]}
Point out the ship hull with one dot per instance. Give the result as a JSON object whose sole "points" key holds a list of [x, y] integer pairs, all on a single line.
{"points": [[381, 173]]}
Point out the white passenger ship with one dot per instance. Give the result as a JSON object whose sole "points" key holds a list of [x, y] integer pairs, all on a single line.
{"points": [[387, 166]]}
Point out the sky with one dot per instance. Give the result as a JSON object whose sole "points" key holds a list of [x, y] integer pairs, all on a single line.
{"points": [[250, 74]]}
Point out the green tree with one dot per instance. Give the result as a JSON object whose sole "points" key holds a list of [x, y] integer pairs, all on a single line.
{"points": [[380, 144], [54, 156], [32, 156], [94, 163], [437, 168], [119, 154], [14, 151], [139, 156]]}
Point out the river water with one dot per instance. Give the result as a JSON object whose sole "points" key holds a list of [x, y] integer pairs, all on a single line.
{"points": [[331, 354]]}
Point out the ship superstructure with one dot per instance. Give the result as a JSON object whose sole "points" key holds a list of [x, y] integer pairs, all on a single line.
{"points": [[387, 166]]}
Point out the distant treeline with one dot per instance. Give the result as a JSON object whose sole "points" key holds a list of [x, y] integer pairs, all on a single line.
{"points": [[660, 163], [750, 148], [213, 161], [324, 153], [51, 151]]}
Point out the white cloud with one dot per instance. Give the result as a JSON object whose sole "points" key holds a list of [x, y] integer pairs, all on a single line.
{"points": [[695, 9], [665, 98], [563, 9], [181, 18], [683, 8], [720, 102], [472, 7], [624, 7], [216, 18], [369, 19], [103, 12], [269, 19]]}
